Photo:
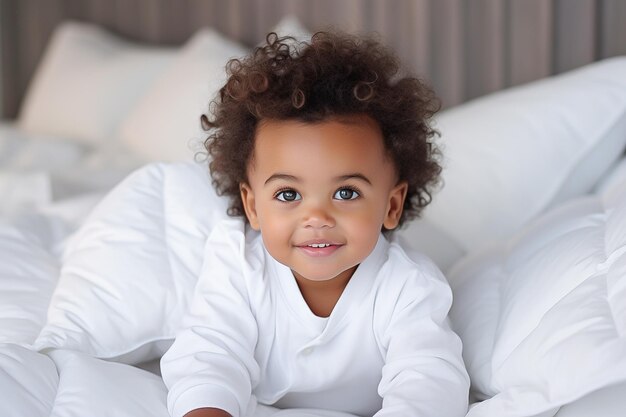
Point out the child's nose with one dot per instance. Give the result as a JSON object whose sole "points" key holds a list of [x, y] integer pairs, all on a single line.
{"points": [[318, 216]]}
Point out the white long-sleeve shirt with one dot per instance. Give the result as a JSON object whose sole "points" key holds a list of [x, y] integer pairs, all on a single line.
{"points": [[250, 338]]}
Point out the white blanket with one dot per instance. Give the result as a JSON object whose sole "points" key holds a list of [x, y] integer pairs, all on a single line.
{"points": [[62, 380]]}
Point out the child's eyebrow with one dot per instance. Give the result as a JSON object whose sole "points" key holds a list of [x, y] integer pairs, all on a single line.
{"points": [[355, 175], [288, 177]]}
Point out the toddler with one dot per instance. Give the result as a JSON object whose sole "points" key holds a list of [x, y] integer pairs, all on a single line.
{"points": [[306, 305]]}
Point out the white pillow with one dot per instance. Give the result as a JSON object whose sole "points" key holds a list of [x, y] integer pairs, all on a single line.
{"points": [[165, 125], [290, 25], [542, 316], [87, 82], [128, 273], [512, 154]]}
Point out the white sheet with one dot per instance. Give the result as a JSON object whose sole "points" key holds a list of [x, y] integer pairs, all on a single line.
{"points": [[36, 171]]}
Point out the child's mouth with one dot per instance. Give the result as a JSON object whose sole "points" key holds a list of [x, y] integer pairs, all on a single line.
{"points": [[319, 249]]}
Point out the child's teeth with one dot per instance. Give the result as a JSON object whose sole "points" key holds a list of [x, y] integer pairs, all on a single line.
{"points": [[319, 245]]}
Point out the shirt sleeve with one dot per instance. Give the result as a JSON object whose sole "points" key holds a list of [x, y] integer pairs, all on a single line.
{"points": [[424, 374], [211, 362]]}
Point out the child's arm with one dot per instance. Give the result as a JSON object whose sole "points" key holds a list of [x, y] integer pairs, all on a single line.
{"points": [[424, 374], [211, 362]]}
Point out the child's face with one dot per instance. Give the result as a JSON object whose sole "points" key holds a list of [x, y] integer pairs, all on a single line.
{"points": [[328, 183]]}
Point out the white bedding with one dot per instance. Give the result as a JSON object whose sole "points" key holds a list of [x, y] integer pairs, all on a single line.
{"points": [[59, 382], [62, 262], [36, 169]]}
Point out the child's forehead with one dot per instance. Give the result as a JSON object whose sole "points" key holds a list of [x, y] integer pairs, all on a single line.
{"points": [[334, 132], [339, 126], [347, 141]]}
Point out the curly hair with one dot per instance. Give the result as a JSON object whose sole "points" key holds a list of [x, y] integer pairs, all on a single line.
{"points": [[334, 74]]}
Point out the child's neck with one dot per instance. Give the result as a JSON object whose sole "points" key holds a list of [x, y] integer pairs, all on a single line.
{"points": [[322, 296]]}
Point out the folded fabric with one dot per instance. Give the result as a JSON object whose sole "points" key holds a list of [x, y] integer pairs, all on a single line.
{"points": [[29, 382], [90, 386], [23, 191], [606, 402], [542, 316], [128, 273], [68, 383], [29, 271]]}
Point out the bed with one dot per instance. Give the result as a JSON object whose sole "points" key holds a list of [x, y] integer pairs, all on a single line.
{"points": [[106, 207]]}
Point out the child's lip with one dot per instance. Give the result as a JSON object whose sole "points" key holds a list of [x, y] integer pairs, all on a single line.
{"points": [[319, 252], [318, 242]]}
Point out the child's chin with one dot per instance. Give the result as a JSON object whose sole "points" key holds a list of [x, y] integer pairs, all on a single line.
{"points": [[317, 277], [320, 274]]}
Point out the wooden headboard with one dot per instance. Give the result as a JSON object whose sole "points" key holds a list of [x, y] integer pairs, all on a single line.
{"points": [[463, 48]]}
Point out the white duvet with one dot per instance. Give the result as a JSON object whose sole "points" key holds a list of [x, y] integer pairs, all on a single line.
{"points": [[542, 315], [557, 336]]}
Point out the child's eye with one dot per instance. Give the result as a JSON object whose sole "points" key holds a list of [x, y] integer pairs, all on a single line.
{"points": [[288, 195], [346, 194]]}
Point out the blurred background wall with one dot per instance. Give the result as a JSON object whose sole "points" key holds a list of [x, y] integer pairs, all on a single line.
{"points": [[465, 48]]}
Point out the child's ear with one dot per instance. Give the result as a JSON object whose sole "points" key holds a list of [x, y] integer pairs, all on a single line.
{"points": [[247, 197], [395, 205]]}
